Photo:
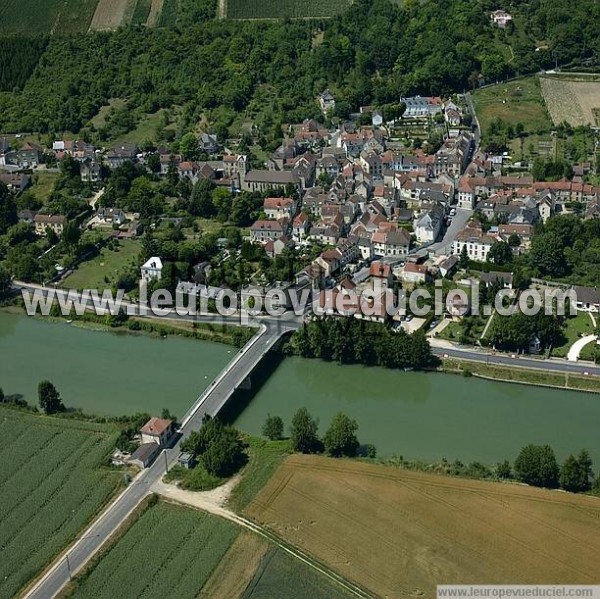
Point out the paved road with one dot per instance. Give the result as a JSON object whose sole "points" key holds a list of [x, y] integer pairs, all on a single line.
{"points": [[210, 402], [519, 361], [456, 226]]}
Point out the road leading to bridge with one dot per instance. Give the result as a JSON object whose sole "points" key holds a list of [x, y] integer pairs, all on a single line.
{"points": [[210, 402]]}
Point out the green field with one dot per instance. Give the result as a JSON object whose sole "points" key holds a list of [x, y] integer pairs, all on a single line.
{"points": [[259, 9], [40, 17], [170, 551], [280, 575], [102, 270], [141, 12], [42, 185], [52, 484], [515, 102]]}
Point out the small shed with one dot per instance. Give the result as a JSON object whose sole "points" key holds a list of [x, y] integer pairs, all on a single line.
{"points": [[186, 460]]}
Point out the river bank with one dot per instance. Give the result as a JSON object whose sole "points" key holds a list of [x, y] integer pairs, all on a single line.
{"points": [[522, 376]]}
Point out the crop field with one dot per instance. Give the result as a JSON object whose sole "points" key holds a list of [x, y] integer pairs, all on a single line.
{"points": [[170, 551], [111, 14], [398, 533], [295, 9], [41, 17], [577, 102], [52, 484], [254, 569], [514, 102]]}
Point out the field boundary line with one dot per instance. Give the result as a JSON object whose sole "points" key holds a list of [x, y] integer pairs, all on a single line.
{"points": [[274, 538]]}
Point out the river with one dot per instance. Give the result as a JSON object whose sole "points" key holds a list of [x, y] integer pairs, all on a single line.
{"points": [[106, 373], [416, 415], [430, 416]]}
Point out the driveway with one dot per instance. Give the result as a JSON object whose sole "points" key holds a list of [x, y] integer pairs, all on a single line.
{"points": [[578, 346]]}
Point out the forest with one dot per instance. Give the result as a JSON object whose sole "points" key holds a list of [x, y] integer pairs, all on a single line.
{"points": [[374, 52]]}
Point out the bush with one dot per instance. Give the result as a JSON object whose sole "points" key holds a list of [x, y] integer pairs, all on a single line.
{"points": [[536, 465]]}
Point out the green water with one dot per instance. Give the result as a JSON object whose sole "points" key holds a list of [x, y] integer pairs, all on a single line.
{"points": [[106, 373], [416, 415], [431, 416]]}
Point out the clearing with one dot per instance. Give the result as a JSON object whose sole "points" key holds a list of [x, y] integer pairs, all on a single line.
{"points": [[308, 9], [52, 483], [111, 14], [103, 270], [515, 102], [576, 102], [398, 533]]}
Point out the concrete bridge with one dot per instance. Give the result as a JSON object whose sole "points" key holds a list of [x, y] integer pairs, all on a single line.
{"points": [[210, 402]]}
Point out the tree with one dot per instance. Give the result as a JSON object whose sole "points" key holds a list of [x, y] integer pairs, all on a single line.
{"points": [[500, 253], [536, 465], [585, 470], [570, 475], [503, 470], [8, 209], [340, 439], [463, 261], [49, 398], [547, 255], [71, 234], [2, 396], [201, 202], [5, 283], [514, 240], [273, 428], [576, 473], [304, 431], [188, 146], [225, 453]]}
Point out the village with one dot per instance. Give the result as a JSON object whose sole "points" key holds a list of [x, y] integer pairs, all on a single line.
{"points": [[371, 203]]}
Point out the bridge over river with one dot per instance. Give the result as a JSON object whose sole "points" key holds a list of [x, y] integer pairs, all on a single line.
{"points": [[210, 402]]}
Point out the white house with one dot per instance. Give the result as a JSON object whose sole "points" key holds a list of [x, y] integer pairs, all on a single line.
{"points": [[327, 101], [501, 18], [152, 270], [428, 226]]}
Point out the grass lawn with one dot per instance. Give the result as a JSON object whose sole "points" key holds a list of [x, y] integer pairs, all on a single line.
{"points": [[264, 458], [52, 483], [107, 264], [522, 375], [575, 327], [99, 120], [169, 551], [42, 185], [515, 102]]}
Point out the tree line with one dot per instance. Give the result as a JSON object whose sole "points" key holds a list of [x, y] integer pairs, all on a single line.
{"points": [[354, 341], [339, 440]]}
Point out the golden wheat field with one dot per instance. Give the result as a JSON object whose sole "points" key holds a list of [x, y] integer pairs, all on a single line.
{"points": [[577, 102], [399, 533]]}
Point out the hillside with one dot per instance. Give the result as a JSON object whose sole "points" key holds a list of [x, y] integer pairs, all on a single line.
{"points": [[221, 68]]}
